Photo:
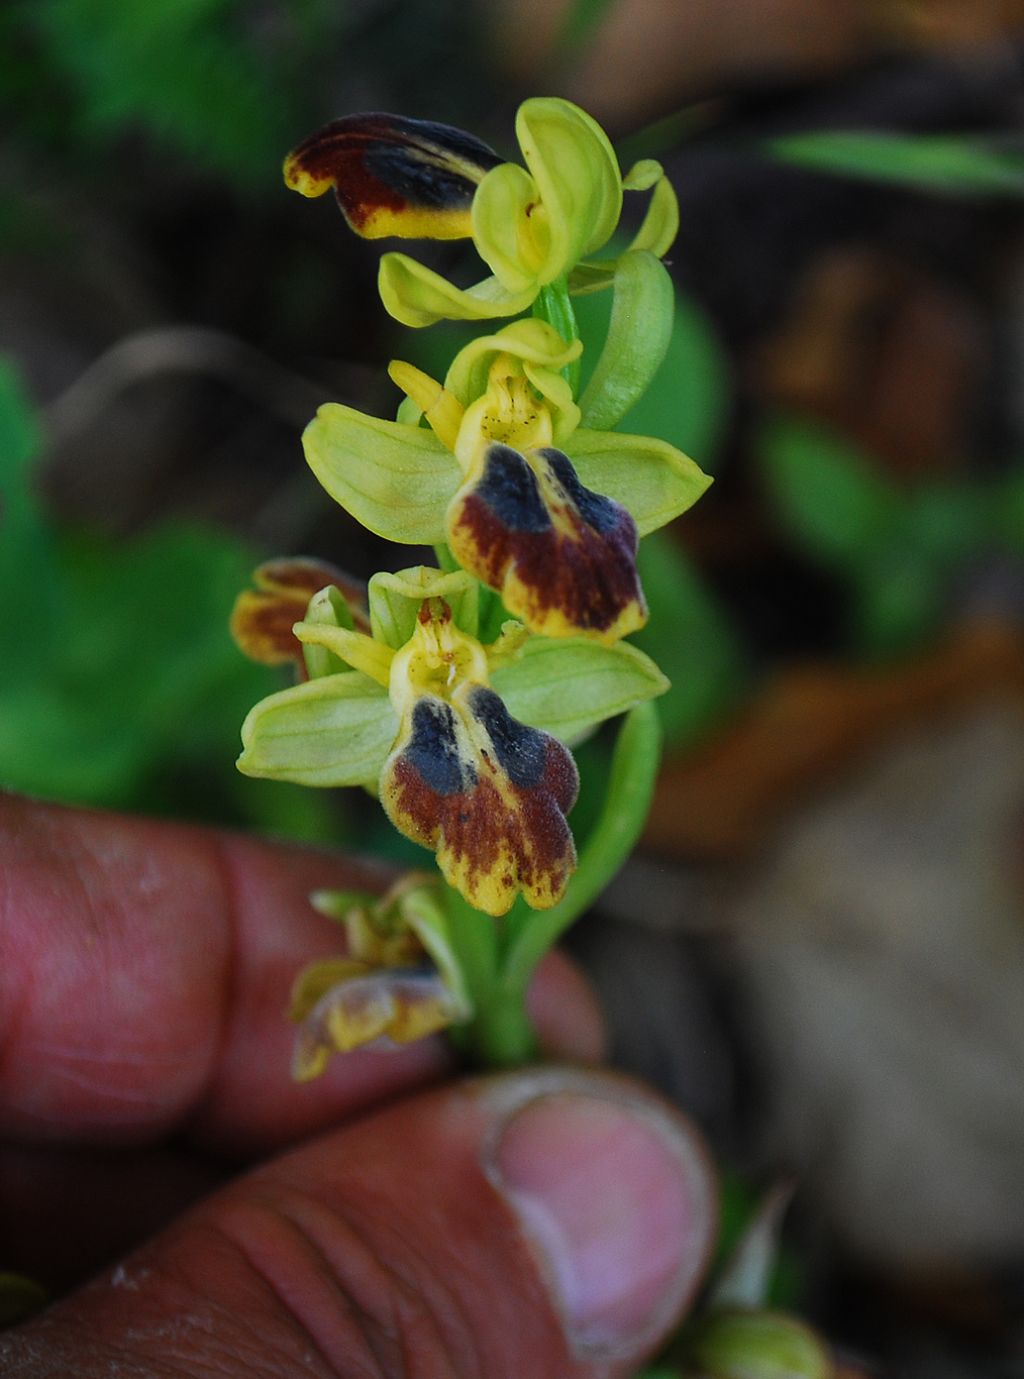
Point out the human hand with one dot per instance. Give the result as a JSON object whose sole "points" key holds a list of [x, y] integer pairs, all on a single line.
{"points": [[550, 1222]]}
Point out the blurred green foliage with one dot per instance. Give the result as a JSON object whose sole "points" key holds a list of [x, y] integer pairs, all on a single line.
{"points": [[582, 20], [899, 550], [950, 164], [692, 640], [121, 686], [222, 86], [215, 81]]}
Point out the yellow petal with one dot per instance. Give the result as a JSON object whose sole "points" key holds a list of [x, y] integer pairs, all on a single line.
{"points": [[417, 296], [441, 408]]}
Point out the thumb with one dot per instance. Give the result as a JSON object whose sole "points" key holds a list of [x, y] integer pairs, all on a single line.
{"points": [[549, 1223]]}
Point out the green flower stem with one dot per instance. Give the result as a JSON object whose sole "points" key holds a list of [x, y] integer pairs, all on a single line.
{"points": [[475, 940], [630, 787], [499, 1034], [445, 560], [554, 305]]}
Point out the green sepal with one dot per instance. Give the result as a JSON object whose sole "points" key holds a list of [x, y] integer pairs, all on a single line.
{"points": [[395, 601], [396, 480], [417, 296], [638, 337], [651, 478], [327, 608], [577, 175], [502, 227], [643, 175], [759, 1345], [334, 731], [660, 225], [566, 687]]}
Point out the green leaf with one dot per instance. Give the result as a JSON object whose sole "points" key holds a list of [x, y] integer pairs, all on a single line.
{"points": [[638, 337], [653, 479], [395, 601], [335, 731], [947, 522], [900, 601], [745, 1280], [19, 432], [826, 493], [951, 164], [396, 480], [690, 638], [192, 72], [565, 687]]}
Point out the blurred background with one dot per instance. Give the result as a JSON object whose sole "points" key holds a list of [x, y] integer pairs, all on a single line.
{"points": [[820, 949]]}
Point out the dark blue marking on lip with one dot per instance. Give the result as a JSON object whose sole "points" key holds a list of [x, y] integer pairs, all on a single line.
{"points": [[376, 159], [433, 749], [509, 488], [598, 512], [411, 170], [521, 751]]}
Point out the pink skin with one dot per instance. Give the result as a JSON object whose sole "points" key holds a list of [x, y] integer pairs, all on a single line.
{"points": [[144, 974], [144, 969]]}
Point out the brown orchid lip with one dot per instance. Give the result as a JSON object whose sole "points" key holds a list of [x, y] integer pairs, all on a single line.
{"points": [[555, 550], [392, 168], [495, 809]]}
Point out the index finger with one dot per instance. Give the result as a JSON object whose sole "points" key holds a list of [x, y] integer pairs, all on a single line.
{"points": [[144, 972], [145, 969]]}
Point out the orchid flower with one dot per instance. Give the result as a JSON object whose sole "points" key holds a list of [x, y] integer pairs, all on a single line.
{"points": [[542, 510], [531, 225], [398, 981], [457, 738]]}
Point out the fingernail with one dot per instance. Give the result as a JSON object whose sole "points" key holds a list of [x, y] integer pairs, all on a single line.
{"points": [[617, 1201]]}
